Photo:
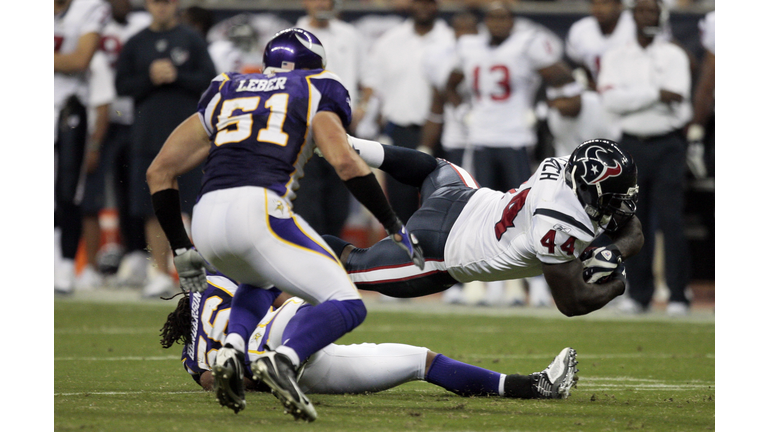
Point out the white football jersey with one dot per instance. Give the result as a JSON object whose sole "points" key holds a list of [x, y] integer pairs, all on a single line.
{"points": [[113, 38], [507, 235], [503, 81], [586, 43], [80, 18]]}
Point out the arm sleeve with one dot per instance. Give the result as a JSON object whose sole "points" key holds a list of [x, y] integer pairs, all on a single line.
{"points": [[676, 75], [96, 19], [544, 50], [128, 80], [101, 84], [620, 97]]}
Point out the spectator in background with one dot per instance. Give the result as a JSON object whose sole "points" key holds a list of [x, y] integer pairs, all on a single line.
{"points": [[608, 26], [504, 69], [703, 124], [164, 69], [237, 43], [345, 53], [647, 82], [101, 95], [396, 77], [113, 163], [198, 18], [76, 34]]}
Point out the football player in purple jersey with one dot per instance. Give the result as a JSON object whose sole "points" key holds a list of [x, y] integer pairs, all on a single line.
{"points": [[200, 324], [252, 132]]}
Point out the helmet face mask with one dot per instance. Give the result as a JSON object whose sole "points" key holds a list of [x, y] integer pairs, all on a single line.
{"points": [[604, 178], [294, 48]]}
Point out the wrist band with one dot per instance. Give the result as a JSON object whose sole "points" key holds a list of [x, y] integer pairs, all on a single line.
{"points": [[566, 91], [167, 206]]}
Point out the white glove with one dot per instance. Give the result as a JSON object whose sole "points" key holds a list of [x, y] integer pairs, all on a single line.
{"points": [[600, 263], [695, 153], [191, 267]]}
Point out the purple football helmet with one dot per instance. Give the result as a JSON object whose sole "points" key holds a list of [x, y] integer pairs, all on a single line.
{"points": [[294, 48]]}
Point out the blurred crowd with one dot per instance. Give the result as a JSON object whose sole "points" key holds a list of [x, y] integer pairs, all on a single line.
{"points": [[480, 86]]}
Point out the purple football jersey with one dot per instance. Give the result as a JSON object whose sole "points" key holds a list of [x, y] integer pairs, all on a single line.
{"points": [[259, 126]]}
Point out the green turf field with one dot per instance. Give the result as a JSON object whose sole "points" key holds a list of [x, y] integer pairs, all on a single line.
{"points": [[110, 374]]}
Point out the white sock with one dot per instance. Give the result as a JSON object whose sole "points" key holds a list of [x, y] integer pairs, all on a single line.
{"points": [[236, 341], [371, 152], [282, 349], [502, 378]]}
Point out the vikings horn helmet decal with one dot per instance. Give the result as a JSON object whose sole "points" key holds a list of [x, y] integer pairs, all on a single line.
{"points": [[294, 48], [604, 178]]}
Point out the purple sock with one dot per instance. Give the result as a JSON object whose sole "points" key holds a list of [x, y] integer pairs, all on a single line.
{"points": [[249, 306], [314, 327], [463, 379]]}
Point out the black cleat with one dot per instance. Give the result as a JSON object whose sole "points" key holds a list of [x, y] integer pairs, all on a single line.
{"points": [[556, 380], [228, 375], [277, 371]]}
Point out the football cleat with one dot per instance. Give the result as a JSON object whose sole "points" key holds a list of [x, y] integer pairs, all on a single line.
{"points": [[277, 371], [228, 375], [556, 380]]}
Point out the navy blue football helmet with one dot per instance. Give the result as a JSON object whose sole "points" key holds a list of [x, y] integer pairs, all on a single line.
{"points": [[294, 48], [604, 177]]}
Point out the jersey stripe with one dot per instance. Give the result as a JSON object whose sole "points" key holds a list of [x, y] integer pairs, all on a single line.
{"points": [[564, 218], [396, 273]]}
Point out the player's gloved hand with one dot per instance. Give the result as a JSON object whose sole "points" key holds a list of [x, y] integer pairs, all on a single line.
{"points": [[695, 153], [600, 263], [191, 267], [410, 244], [619, 274]]}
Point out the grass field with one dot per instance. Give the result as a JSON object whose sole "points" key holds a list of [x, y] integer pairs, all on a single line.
{"points": [[649, 374]]}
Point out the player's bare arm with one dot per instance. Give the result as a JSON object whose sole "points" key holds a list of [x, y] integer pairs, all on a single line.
{"points": [[430, 132], [629, 238], [573, 296], [451, 88], [186, 148], [331, 138], [566, 91], [80, 58]]}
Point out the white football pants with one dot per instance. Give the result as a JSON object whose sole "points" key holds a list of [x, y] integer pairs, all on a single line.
{"points": [[252, 235]]}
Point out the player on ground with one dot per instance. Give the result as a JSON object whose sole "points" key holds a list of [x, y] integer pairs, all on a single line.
{"points": [[252, 132], [469, 233], [200, 323]]}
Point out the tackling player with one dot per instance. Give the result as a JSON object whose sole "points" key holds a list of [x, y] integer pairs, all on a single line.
{"points": [[544, 226], [252, 132], [200, 323]]}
